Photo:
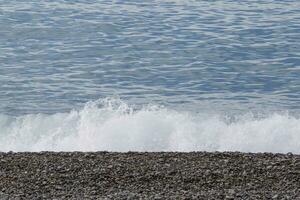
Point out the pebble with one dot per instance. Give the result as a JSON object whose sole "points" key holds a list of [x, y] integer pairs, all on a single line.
{"points": [[108, 175]]}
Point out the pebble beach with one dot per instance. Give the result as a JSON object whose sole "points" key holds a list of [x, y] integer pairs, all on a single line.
{"points": [[153, 99], [161, 175]]}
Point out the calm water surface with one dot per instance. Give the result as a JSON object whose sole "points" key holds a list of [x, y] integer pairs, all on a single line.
{"points": [[229, 55]]}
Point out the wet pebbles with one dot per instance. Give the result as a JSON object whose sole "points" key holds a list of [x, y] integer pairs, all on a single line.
{"points": [[105, 175]]}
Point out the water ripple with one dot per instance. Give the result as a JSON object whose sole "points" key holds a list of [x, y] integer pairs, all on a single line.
{"points": [[56, 55]]}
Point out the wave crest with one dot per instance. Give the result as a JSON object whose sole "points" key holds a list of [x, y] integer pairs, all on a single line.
{"points": [[112, 125]]}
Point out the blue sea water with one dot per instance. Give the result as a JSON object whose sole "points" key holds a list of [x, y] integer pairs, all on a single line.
{"points": [[160, 75]]}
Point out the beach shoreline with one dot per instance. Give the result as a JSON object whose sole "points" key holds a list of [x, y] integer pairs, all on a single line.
{"points": [[149, 175]]}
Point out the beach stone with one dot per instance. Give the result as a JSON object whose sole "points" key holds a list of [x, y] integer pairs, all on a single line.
{"points": [[159, 175]]}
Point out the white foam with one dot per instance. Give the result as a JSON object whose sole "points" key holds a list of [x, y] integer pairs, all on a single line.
{"points": [[112, 125]]}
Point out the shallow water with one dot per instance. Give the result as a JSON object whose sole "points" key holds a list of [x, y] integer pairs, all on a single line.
{"points": [[236, 63]]}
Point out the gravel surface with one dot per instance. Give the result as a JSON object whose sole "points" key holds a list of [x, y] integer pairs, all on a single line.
{"points": [[104, 175]]}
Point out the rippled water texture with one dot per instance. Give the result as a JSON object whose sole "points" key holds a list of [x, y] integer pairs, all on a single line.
{"points": [[230, 55]]}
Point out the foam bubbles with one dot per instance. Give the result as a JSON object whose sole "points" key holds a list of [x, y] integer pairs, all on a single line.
{"points": [[112, 125]]}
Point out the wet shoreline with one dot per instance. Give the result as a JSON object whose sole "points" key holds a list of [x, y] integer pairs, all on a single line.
{"points": [[161, 175]]}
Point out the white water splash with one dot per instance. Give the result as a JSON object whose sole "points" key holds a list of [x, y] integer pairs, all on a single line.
{"points": [[112, 125]]}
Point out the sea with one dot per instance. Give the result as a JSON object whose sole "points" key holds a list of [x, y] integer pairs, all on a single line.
{"points": [[150, 75]]}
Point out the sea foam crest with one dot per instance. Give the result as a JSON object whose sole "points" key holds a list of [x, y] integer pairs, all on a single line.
{"points": [[113, 125]]}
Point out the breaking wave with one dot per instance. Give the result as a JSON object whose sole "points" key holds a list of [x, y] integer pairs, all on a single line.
{"points": [[112, 125]]}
